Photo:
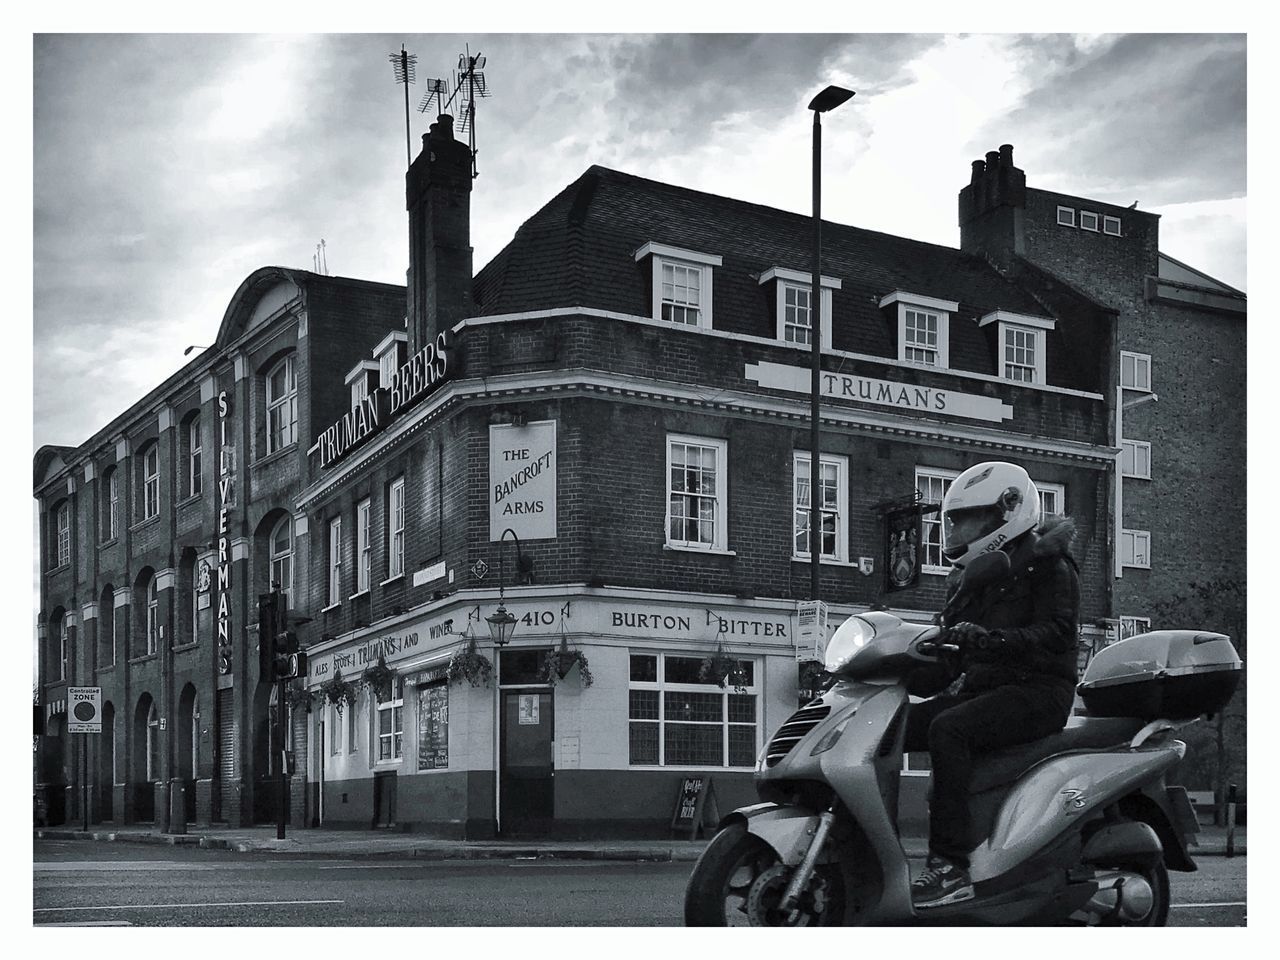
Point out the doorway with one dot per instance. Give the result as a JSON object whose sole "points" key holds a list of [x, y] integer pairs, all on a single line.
{"points": [[526, 774]]}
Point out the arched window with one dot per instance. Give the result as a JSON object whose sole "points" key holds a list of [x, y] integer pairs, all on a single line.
{"points": [[194, 478], [153, 615], [111, 504], [281, 552], [282, 405], [153, 744]]}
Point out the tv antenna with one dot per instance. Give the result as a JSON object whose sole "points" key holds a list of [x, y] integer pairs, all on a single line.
{"points": [[404, 65], [319, 261], [468, 83]]}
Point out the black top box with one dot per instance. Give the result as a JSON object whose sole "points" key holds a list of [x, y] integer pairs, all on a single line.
{"points": [[1162, 675]]}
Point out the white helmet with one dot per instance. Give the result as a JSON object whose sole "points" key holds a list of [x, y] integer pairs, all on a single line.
{"points": [[985, 508]]}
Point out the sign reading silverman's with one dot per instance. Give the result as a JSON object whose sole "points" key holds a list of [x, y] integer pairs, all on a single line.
{"points": [[226, 499], [423, 372], [904, 396]]}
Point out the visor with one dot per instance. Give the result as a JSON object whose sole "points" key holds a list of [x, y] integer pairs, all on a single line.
{"points": [[963, 526]]}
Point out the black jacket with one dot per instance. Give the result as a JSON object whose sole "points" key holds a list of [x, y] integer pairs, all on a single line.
{"points": [[1036, 609]]}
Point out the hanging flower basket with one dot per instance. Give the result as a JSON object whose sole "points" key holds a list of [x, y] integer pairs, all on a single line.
{"points": [[724, 670], [300, 698], [468, 663], [337, 691], [380, 679], [560, 661]]}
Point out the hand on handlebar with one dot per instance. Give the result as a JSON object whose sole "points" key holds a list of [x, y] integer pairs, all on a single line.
{"points": [[975, 639]]}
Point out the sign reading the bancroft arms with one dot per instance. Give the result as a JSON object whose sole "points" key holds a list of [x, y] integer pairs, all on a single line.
{"points": [[421, 374]]}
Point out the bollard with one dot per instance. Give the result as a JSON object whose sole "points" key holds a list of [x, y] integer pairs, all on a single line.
{"points": [[1231, 820]]}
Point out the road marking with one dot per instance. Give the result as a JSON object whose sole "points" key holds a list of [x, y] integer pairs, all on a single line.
{"points": [[88, 923], [1191, 906], [172, 906], [80, 866]]}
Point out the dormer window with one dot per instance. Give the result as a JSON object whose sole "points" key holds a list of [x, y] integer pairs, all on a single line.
{"points": [[923, 328], [795, 305], [681, 283], [362, 379], [1020, 345], [390, 354]]}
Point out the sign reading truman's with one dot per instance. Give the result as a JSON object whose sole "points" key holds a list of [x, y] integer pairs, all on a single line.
{"points": [[522, 480]]}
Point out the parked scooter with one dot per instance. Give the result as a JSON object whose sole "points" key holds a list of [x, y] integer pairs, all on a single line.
{"points": [[1077, 828]]}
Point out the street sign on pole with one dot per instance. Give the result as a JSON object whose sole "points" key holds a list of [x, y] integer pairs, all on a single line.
{"points": [[84, 709]]}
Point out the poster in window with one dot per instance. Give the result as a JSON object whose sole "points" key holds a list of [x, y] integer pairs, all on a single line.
{"points": [[433, 726], [902, 548]]}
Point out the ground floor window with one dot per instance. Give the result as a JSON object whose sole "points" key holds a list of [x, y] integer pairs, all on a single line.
{"points": [[679, 717], [391, 724]]}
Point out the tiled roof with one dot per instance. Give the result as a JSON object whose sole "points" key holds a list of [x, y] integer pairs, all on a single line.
{"points": [[579, 250]]}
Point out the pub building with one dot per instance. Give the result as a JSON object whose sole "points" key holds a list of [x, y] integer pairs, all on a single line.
{"points": [[552, 544], [156, 536], [610, 446]]}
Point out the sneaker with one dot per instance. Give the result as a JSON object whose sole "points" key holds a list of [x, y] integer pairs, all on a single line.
{"points": [[940, 883]]}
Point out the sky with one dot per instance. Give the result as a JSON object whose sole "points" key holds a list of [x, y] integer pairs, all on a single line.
{"points": [[166, 168]]}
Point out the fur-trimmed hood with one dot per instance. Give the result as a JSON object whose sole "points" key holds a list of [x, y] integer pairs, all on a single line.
{"points": [[1055, 537]]}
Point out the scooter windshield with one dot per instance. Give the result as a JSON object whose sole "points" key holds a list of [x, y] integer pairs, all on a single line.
{"points": [[851, 636]]}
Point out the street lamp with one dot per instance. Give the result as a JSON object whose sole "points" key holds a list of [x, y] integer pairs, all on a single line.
{"points": [[828, 99], [501, 623]]}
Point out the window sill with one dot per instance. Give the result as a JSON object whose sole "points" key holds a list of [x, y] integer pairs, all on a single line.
{"points": [[359, 593], [331, 607], [1133, 476], [187, 501], [107, 669], [143, 659], [274, 455], [60, 568], [109, 542], [398, 576], [937, 571], [386, 764], [145, 523], [186, 646], [826, 562], [713, 551], [1134, 566]]}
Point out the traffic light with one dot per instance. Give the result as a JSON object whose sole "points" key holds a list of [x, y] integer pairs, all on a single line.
{"points": [[289, 661], [268, 627]]}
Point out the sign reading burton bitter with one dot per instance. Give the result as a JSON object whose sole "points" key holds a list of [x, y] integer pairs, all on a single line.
{"points": [[226, 499], [423, 372]]}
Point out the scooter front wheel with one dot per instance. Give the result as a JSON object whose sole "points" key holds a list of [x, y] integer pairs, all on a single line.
{"points": [[740, 881]]}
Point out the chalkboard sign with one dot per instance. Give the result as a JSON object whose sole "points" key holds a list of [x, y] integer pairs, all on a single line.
{"points": [[695, 806], [433, 726]]}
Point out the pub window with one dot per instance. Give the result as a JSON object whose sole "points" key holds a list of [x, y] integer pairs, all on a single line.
{"points": [[833, 478], [335, 727], [391, 724], [794, 308], [282, 405], [335, 562], [678, 718], [63, 518], [111, 508], [395, 524], [697, 493], [924, 327], [1022, 357], [281, 554], [364, 552], [353, 729], [681, 284]]}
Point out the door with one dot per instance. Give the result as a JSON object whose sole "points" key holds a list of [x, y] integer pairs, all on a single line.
{"points": [[527, 788], [224, 796]]}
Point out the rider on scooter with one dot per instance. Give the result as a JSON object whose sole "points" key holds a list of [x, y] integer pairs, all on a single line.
{"points": [[1017, 640]]}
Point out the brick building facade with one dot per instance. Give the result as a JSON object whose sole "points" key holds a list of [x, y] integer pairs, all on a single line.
{"points": [[157, 535]]}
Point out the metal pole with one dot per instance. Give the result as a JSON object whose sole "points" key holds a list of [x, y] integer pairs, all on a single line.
{"points": [[815, 353], [1231, 820], [281, 720], [84, 783], [408, 138]]}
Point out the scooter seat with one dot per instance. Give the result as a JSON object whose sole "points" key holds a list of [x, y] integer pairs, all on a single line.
{"points": [[1081, 733]]}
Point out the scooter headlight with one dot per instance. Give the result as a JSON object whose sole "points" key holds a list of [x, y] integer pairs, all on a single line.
{"points": [[831, 737], [852, 635]]}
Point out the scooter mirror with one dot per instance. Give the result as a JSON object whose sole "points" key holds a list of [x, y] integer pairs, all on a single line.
{"points": [[984, 570]]}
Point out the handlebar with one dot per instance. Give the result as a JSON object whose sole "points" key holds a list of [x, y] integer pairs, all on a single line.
{"points": [[928, 647]]}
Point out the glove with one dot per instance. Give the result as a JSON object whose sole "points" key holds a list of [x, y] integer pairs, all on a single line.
{"points": [[977, 641]]}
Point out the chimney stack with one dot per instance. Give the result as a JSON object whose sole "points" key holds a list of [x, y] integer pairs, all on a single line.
{"points": [[438, 198], [992, 206]]}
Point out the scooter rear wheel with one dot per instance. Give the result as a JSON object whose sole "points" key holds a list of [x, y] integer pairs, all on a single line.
{"points": [[1157, 878], [739, 880]]}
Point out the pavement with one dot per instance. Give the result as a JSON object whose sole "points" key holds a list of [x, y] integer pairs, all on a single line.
{"points": [[319, 842]]}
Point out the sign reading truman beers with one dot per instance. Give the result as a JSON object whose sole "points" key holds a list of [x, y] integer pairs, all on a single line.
{"points": [[522, 480], [423, 372]]}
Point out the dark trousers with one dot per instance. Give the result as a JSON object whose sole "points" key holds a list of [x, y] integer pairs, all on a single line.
{"points": [[958, 730]]}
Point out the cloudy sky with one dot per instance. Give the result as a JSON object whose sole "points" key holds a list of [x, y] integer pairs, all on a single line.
{"points": [[168, 167]]}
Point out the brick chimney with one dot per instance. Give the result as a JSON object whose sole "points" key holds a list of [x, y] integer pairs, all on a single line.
{"points": [[992, 207], [438, 198]]}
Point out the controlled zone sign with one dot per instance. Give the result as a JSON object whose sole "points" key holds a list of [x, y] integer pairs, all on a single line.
{"points": [[84, 709]]}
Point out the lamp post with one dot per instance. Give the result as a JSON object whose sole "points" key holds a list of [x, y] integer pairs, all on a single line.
{"points": [[501, 623], [828, 99]]}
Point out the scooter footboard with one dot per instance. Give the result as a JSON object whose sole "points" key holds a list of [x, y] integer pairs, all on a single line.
{"points": [[788, 830]]}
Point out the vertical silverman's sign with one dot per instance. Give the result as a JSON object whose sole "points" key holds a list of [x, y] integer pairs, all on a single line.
{"points": [[226, 499], [522, 480]]}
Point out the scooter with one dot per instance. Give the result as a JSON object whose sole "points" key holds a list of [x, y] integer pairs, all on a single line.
{"points": [[1077, 828]]}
